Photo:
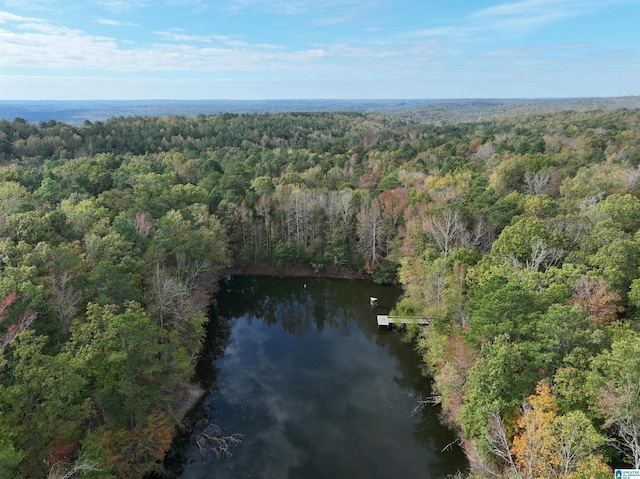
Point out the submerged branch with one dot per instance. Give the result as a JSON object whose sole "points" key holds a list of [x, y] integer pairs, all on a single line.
{"points": [[423, 403], [221, 445]]}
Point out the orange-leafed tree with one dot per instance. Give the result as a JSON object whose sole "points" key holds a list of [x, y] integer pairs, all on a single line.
{"points": [[595, 295], [534, 443], [549, 445]]}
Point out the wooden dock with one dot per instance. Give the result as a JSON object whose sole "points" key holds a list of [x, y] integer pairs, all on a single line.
{"points": [[388, 321]]}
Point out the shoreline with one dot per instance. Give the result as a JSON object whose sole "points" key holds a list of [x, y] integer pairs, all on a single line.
{"points": [[189, 397], [294, 271]]}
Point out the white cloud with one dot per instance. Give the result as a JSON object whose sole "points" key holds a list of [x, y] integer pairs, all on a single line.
{"points": [[302, 7], [516, 19], [414, 53], [29, 5], [35, 43], [452, 55], [116, 23], [574, 46], [180, 36], [529, 14], [527, 8], [6, 17], [119, 6], [325, 13]]}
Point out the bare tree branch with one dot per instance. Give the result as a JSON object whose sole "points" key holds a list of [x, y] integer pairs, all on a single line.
{"points": [[61, 471], [423, 403], [537, 181], [64, 299], [142, 223], [445, 229], [499, 443], [212, 436]]}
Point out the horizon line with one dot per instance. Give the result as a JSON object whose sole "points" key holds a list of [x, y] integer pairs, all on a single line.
{"points": [[317, 99]]}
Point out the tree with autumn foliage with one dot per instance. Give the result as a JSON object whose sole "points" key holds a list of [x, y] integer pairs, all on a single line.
{"points": [[24, 320], [550, 445], [614, 385], [596, 297]]}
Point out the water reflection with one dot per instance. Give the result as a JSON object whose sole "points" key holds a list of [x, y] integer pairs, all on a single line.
{"points": [[314, 387], [298, 309]]}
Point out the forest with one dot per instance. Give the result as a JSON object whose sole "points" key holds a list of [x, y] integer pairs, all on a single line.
{"points": [[519, 236]]}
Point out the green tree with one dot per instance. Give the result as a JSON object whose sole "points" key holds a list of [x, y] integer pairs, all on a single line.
{"points": [[528, 242], [563, 329], [499, 306], [195, 234], [134, 369], [12, 197], [263, 185], [615, 393], [85, 216], [497, 382], [44, 402], [622, 210], [110, 283]]}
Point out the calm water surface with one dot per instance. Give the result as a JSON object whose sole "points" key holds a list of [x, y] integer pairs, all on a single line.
{"points": [[300, 369]]}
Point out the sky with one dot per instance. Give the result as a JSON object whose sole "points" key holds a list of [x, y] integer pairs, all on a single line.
{"points": [[318, 49]]}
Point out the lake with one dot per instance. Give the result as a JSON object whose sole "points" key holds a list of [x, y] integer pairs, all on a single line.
{"points": [[299, 368]]}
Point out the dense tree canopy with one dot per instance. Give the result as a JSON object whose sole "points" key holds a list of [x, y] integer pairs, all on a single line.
{"points": [[520, 236]]}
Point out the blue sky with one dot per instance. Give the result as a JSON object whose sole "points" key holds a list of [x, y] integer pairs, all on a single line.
{"points": [[278, 49]]}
